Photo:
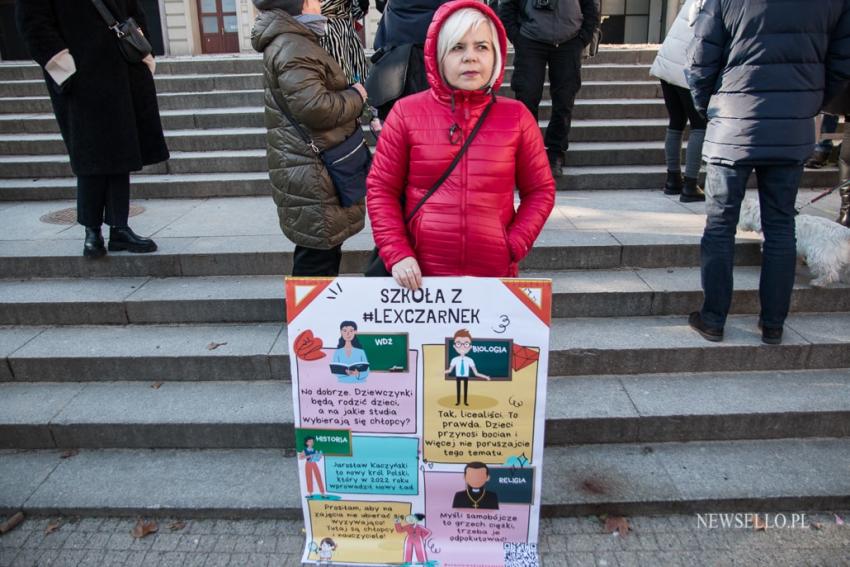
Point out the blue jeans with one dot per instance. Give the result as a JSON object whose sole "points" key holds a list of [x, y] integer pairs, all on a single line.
{"points": [[724, 190]]}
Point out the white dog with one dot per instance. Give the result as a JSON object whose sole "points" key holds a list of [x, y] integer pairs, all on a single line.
{"points": [[822, 244]]}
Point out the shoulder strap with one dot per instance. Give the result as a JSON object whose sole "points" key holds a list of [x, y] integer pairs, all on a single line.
{"points": [[105, 13], [301, 132], [454, 163]]}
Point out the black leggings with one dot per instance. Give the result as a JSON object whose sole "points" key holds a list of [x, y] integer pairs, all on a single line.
{"points": [[680, 107], [845, 142], [103, 198]]}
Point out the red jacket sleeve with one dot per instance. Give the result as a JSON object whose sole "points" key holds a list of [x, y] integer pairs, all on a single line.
{"points": [[536, 189], [384, 188]]}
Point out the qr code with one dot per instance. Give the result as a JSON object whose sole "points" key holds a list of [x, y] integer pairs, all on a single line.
{"points": [[521, 555]]}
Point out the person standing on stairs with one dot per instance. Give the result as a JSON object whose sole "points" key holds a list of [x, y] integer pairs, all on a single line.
{"points": [[553, 33], [106, 109], [303, 80], [760, 71], [840, 104], [669, 67]]}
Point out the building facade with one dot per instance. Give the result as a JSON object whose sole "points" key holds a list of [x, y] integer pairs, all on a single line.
{"points": [[197, 27]]}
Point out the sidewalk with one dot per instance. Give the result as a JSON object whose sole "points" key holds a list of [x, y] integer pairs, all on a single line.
{"points": [[661, 540]]}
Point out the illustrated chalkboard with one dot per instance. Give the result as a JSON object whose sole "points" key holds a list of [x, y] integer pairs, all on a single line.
{"points": [[331, 442], [386, 352], [492, 357], [514, 486]]}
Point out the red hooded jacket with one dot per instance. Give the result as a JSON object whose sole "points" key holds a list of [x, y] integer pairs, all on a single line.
{"points": [[469, 226]]}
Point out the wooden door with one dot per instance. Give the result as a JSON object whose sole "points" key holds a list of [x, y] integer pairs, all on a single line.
{"points": [[219, 26]]}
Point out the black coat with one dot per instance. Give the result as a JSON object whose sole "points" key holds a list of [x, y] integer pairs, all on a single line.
{"points": [[107, 111], [405, 21], [761, 70]]}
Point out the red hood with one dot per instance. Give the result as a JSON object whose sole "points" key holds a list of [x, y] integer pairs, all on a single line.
{"points": [[442, 90]]}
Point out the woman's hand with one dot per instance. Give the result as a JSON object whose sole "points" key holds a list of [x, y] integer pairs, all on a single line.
{"points": [[407, 273], [360, 89]]}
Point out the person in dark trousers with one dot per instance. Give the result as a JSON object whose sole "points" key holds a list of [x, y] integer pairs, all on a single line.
{"points": [[553, 33], [840, 104], [760, 70], [669, 67], [106, 109], [304, 80]]}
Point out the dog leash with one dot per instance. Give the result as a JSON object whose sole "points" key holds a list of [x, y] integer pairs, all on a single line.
{"points": [[824, 194]]}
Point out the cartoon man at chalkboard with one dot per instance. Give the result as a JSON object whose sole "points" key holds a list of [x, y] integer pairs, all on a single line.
{"points": [[476, 496], [462, 365], [311, 467], [349, 361]]}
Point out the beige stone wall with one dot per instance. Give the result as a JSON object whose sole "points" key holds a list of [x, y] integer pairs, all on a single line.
{"points": [[246, 14]]}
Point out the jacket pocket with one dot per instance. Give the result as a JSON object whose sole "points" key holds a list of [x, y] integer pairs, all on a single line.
{"points": [[507, 245]]}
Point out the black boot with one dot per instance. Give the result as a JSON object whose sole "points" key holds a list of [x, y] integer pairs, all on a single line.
{"points": [[93, 245], [844, 212], [673, 185], [123, 238], [691, 192]]}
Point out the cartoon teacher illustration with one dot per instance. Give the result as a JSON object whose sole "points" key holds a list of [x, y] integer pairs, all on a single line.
{"points": [[311, 467], [417, 533], [476, 475], [349, 361], [462, 364]]}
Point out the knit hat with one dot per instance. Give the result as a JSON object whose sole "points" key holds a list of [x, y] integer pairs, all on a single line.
{"points": [[291, 7]]}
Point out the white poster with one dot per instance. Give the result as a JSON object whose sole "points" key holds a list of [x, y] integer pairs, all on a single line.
{"points": [[419, 418]]}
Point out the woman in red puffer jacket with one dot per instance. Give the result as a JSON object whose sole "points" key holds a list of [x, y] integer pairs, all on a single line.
{"points": [[469, 226]]}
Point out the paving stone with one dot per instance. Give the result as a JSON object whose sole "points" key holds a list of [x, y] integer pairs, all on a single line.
{"points": [[217, 560], [78, 540], [7, 556], [172, 559], [226, 543], [580, 559], [165, 542]]}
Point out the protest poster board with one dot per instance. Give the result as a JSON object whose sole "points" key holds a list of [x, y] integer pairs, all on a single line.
{"points": [[419, 418]]}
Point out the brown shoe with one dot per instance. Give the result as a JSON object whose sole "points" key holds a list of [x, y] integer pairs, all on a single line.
{"points": [[708, 333]]}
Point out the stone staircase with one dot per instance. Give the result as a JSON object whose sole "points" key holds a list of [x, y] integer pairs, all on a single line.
{"points": [[114, 399]]}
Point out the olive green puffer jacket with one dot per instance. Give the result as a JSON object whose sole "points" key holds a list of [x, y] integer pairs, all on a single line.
{"points": [[313, 87]]}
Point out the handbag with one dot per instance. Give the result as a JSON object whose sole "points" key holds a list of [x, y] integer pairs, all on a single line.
{"points": [[347, 163], [132, 42], [375, 267], [388, 74]]}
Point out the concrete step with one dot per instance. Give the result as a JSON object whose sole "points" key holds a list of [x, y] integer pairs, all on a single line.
{"points": [[581, 346], [599, 130], [640, 87], [241, 237], [580, 410], [256, 183], [585, 108], [248, 63], [235, 299], [258, 255], [244, 150], [616, 479]]}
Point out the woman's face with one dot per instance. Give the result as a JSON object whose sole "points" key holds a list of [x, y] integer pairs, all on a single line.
{"points": [[312, 7], [468, 65], [348, 333]]}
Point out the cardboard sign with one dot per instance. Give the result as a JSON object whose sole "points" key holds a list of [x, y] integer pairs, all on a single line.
{"points": [[425, 415]]}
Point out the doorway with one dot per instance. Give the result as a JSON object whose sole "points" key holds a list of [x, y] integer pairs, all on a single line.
{"points": [[219, 26]]}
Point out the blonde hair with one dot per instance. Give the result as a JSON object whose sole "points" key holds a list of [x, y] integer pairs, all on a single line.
{"points": [[458, 25]]}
